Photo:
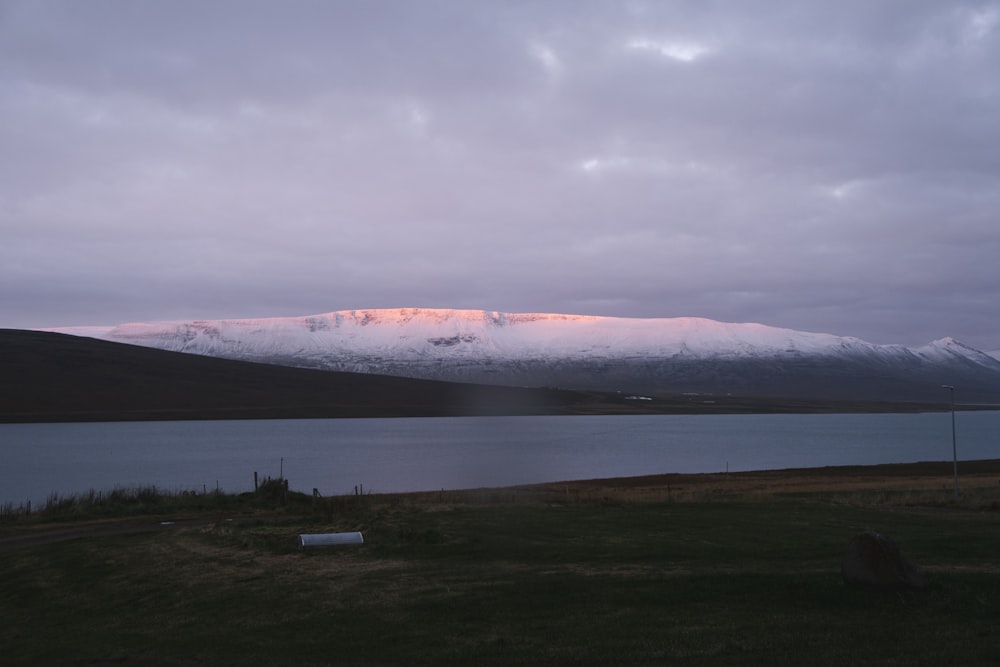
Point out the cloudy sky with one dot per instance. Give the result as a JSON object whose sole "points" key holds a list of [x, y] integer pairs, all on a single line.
{"points": [[824, 166]]}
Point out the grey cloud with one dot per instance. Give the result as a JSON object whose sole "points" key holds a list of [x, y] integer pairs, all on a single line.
{"points": [[817, 166]]}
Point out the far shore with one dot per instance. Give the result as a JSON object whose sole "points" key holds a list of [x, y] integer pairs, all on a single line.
{"points": [[661, 405]]}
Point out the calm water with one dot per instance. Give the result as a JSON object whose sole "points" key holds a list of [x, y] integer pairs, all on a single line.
{"points": [[388, 455]]}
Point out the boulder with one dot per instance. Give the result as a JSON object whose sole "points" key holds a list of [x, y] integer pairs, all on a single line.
{"points": [[873, 560]]}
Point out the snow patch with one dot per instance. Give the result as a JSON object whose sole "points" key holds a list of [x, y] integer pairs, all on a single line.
{"points": [[384, 340]]}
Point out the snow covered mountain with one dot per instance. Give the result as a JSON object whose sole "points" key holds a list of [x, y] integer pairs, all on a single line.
{"points": [[662, 355]]}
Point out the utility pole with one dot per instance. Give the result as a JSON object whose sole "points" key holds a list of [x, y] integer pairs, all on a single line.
{"points": [[954, 445]]}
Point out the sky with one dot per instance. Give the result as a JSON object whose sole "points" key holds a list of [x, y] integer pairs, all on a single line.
{"points": [[821, 166]]}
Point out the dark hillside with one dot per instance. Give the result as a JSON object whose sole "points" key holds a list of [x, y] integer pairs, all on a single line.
{"points": [[55, 377]]}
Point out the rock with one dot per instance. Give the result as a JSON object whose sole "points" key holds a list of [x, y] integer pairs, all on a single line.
{"points": [[873, 560]]}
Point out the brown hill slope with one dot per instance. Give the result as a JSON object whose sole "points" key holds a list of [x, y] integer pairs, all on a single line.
{"points": [[55, 377]]}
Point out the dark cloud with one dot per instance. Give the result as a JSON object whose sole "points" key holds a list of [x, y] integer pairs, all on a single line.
{"points": [[826, 167]]}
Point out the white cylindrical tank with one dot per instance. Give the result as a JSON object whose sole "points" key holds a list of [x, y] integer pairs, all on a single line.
{"points": [[330, 539]]}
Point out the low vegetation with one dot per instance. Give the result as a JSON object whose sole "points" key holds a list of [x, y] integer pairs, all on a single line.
{"points": [[686, 569]]}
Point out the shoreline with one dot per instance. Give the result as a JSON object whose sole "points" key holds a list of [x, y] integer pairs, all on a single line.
{"points": [[919, 475], [913, 475], [873, 470], [916, 476], [663, 406], [925, 485]]}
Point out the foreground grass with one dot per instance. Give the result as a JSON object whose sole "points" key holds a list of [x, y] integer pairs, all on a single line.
{"points": [[500, 578]]}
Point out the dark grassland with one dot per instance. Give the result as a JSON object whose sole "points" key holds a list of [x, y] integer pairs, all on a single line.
{"points": [[737, 569]]}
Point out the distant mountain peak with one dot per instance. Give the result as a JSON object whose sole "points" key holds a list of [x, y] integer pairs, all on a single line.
{"points": [[950, 347]]}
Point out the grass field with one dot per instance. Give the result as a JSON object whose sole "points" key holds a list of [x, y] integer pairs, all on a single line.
{"points": [[735, 569]]}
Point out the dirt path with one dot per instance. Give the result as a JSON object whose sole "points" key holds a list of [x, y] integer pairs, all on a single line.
{"points": [[43, 535]]}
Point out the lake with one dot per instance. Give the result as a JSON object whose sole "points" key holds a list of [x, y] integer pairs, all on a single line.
{"points": [[389, 455]]}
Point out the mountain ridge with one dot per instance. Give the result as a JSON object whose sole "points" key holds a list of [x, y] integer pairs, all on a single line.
{"points": [[644, 355]]}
